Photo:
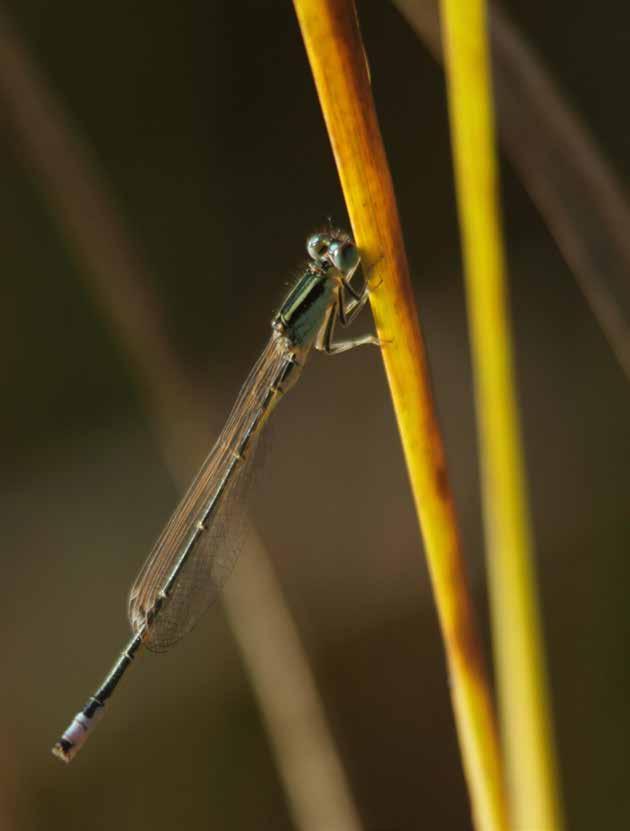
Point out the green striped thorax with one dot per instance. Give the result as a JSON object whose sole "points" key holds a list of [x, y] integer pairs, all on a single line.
{"points": [[334, 256]]}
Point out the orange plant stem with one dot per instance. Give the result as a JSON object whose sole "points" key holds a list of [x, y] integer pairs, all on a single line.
{"points": [[339, 65]]}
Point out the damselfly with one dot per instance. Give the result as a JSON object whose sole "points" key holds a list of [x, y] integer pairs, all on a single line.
{"points": [[195, 552]]}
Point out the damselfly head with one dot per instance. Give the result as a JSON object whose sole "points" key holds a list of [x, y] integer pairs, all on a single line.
{"points": [[333, 248]]}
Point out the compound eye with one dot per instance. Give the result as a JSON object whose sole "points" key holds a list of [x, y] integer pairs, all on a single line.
{"points": [[317, 247], [344, 256]]}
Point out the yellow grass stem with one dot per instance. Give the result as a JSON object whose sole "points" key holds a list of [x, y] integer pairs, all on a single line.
{"points": [[335, 50], [525, 711]]}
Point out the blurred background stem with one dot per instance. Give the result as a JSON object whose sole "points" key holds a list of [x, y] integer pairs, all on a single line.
{"points": [[518, 643], [559, 163], [178, 405]]}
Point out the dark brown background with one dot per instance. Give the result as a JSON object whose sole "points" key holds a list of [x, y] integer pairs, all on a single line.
{"points": [[204, 118]]}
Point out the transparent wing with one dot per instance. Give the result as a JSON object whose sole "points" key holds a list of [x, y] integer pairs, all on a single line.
{"points": [[215, 499], [208, 565]]}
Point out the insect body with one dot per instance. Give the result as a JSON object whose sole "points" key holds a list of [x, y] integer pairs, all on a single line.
{"points": [[197, 549]]}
